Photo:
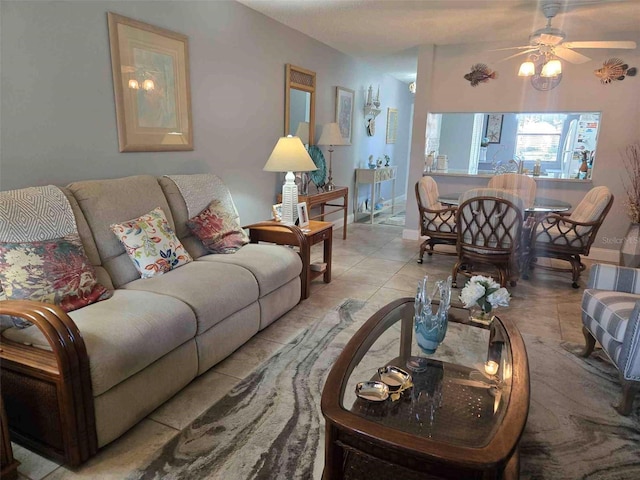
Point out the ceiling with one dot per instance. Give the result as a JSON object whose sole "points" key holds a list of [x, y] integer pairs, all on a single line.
{"points": [[387, 33]]}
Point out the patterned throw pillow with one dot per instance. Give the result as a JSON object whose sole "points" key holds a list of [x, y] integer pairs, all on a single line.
{"points": [[218, 229], [151, 244], [51, 271]]}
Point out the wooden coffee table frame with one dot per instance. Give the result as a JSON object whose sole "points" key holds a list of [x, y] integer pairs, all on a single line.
{"points": [[347, 431]]}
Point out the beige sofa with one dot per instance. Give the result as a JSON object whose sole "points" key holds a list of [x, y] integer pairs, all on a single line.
{"points": [[77, 381]]}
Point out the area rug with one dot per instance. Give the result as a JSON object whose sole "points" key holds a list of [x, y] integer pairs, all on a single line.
{"points": [[270, 425]]}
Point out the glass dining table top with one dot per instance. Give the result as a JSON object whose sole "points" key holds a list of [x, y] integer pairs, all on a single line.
{"points": [[540, 204]]}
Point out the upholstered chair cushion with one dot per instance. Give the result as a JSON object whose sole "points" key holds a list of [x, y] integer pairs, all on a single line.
{"points": [[592, 205], [522, 185], [151, 244], [428, 189], [492, 226]]}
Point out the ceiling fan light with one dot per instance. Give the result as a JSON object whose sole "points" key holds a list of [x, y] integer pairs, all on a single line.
{"points": [[552, 68], [527, 69]]}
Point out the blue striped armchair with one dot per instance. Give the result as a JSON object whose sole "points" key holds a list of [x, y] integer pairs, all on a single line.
{"points": [[611, 315]]}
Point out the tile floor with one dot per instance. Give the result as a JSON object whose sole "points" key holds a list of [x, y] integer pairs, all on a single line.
{"points": [[374, 264]]}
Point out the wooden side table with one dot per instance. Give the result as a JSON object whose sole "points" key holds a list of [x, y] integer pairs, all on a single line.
{"points": [[324, 199], [315, 232]]}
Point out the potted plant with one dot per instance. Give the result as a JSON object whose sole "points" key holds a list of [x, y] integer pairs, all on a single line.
{"points": [[630, 250]]}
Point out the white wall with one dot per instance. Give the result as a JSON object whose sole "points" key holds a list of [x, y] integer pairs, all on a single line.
{"points": [[58, 114], [442, 88]]}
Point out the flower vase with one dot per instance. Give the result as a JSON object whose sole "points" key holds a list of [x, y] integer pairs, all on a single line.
{"points": [[483, 154], [478, 314], [430, 327]]}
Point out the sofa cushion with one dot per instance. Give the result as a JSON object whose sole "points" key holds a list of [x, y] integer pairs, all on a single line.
{"points": [[151, 244], [212, 290], [124, 334], [53, 271], [218, 229], [609, 309], [271, 265], [105, 202]]}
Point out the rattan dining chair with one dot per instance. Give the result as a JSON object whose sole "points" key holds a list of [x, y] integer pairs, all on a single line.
{"points": [[522, 185], [489, 227], [437, 222], [567, 236]]}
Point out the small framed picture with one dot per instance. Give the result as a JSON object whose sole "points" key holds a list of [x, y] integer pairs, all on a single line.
{"points": [[303, 215], [276, 210]]}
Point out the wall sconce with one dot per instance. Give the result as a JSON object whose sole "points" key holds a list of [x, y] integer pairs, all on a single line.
{"points": [[412, 87]]}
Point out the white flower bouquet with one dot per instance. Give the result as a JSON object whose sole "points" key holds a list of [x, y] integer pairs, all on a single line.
{"points": [[484, 292]]}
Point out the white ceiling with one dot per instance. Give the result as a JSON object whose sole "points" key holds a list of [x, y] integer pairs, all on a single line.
{"points": [[386, 33]]}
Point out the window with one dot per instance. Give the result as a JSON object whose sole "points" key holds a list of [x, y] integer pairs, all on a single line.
{"points": [[538, 137]]}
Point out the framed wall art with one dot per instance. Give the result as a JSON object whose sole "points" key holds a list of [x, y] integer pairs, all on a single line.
{"points": [[494, 127], [344, 112], [150, 67], [392, 125]]}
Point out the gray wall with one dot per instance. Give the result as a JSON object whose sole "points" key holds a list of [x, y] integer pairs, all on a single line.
{"points": [[58, 114], [442, 88]]}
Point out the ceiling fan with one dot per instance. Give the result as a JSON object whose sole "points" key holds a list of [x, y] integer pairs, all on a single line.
{"points": [[548, 42]]}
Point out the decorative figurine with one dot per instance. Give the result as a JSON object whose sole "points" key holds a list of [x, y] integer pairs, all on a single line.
{"points": [[480, 73], [388, 159], [614, 69]]}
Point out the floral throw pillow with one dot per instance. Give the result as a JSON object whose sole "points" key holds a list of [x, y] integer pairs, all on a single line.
{"points": [[51, 271], [218, 229], [151, 244]]}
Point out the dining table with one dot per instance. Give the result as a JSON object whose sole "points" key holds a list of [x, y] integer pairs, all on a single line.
{"points": [[540, 204]]}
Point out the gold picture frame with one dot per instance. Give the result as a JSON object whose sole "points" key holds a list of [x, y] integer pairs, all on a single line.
{"points": [[392, 125], [276, 211], [150, 67]]}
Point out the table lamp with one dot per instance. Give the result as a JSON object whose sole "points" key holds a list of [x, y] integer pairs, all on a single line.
{"points": [[331, 136], [289, 155]]}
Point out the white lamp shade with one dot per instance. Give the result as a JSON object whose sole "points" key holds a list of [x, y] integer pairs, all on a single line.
{"points": [[331, 135], [303, 132], [551, 69], [289, 155], [527, 69]]}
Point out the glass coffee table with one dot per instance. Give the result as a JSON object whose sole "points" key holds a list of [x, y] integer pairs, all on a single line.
{"points": [[459, 419]]}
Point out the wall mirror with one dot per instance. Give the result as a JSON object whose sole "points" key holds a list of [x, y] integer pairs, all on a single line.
{"points": [[553, 144], [300, 103]]}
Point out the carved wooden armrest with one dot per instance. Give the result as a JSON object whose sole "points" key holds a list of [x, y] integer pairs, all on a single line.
{"points": [[66, 365], [301, 238], [566, 231]]}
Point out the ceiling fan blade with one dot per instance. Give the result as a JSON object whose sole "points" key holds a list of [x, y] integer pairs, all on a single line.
{"points": [[517, 55], [510, 48], [601, 44], [570, 55]]}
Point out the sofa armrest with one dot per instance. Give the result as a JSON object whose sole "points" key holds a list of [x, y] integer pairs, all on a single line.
{"points": [[629, 360], [65, 368], [612, 277]]}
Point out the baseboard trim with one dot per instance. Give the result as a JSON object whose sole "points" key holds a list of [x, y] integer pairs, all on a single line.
{"points": [[604, 255], [595, 254]]}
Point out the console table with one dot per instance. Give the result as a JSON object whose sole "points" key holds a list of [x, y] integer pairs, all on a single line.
{"points": [[374, 177], [322, 200]]}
